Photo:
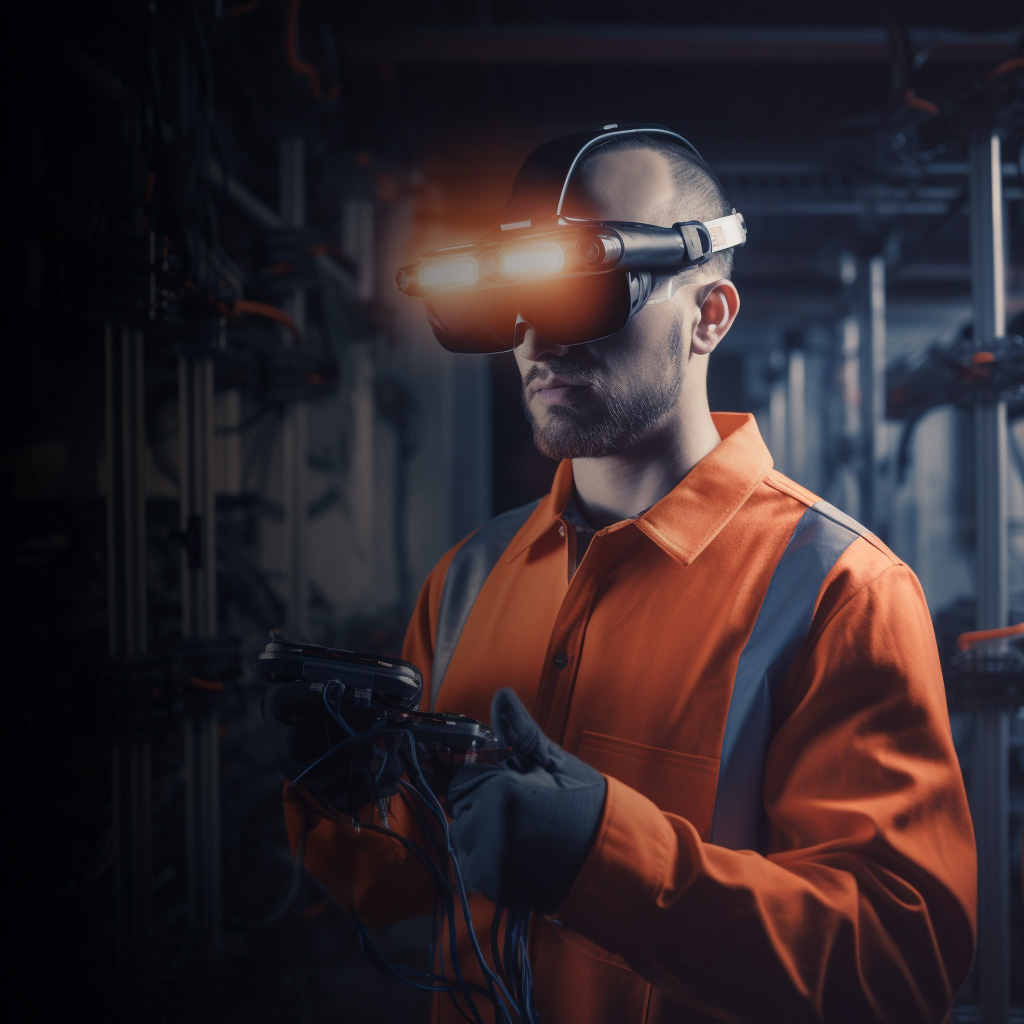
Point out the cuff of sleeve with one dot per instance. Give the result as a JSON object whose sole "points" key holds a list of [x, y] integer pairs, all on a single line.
{"points": [[299, 815], [626, 867]]}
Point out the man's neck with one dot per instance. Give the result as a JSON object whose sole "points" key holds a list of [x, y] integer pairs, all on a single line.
{"points": [[615, 487]]}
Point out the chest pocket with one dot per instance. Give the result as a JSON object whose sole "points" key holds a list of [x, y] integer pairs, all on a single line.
{"points": [[681, 784]]}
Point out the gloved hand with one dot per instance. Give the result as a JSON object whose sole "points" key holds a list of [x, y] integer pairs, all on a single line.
{"points": [[521, 829]]}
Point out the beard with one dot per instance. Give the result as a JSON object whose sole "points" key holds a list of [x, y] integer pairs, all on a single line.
{"points": [[614, 413]]}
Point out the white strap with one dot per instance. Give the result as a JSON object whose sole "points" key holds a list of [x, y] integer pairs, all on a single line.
{"points": [[727, 231]]}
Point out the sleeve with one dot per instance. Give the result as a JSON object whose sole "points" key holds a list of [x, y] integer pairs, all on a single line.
{"points": [[864, 906], [369, 873]]}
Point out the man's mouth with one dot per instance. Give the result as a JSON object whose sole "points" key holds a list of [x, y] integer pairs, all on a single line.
{"points": [[557, 390]]}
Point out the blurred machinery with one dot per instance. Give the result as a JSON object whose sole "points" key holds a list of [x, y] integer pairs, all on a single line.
{"points": [[209, 360]]}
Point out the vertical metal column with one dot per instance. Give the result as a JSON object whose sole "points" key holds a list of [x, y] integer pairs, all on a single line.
{"points": [[199, 622], [295, 427], [845, 480], [373, 490], [796, 408], [778, 421], [872, 390], [990, 759], [357, 241], [131, 797]]}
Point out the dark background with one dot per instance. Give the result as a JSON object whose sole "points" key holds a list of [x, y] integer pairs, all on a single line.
{"points": [[837, 128]]}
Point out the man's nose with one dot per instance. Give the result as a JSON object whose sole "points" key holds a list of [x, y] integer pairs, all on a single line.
{"points": [[533, 346]]}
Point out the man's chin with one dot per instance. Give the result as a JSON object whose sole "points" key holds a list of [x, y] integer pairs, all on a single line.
{"points": [[570, 433], [570, 444]]}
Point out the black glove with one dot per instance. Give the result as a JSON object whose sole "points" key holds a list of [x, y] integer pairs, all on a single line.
{"points": [[521, 829]]}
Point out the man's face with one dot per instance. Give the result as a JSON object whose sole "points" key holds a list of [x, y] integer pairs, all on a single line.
{"points": [[607, 396]]}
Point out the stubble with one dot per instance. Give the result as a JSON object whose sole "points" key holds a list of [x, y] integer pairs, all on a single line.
{"points": [[614, 413]]}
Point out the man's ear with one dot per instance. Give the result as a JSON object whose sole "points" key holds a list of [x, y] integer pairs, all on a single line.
{"points": [[718, 309]]}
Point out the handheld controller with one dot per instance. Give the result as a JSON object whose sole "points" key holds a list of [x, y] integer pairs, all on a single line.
{"points": [[337, 718]]}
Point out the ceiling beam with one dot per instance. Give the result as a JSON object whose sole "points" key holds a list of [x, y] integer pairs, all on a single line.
{"points": [[667, 44]]}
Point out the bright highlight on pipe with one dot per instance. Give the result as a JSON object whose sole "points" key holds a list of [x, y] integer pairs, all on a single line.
{"points": [[540, 259], [447, 273]]}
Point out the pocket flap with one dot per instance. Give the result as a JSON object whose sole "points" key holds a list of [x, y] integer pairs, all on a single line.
{"points": [[678, 783]]}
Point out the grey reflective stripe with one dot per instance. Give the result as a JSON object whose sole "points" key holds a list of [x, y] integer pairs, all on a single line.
{"points": [[782, 625], [466, 575]]}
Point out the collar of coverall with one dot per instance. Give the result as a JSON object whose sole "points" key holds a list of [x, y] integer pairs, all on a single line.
{"points": [[694, 512]]}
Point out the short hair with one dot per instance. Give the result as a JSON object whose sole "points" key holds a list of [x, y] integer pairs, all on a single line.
{"points": [[698, 194]]}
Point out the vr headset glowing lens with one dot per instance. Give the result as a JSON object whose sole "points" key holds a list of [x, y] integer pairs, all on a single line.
{"points": [[571, 280], [448, 273], [566, 311]]}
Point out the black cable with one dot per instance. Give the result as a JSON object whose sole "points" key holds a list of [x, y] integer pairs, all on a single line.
{"points": [[910, 422], [899, 43], [509, 983], [440, 909], [423, 980], [489, 975]]}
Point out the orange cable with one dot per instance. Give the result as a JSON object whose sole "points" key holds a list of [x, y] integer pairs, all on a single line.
{"points": [[242, 307], [206, 684], [965, 641], [1005, 66], [303, 67], [913, 100]]}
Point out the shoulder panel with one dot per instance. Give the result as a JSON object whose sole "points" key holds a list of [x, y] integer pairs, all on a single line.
{"points": [[783, 622], [466, 575]]}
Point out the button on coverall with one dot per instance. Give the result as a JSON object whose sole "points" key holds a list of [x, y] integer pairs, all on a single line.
{"points": [[857, 901]]}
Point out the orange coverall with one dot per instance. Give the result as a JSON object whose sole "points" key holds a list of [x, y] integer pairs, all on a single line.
{"points": [[861, 905]]}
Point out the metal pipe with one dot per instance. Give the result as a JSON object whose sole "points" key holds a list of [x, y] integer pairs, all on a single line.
{"points": [[199, 622], [850, 339], [131, 801], [990, 759], [691, 45], [796, 413], [852, 207], [777, 422], [871, 280], [295, 425], [780, 169]]}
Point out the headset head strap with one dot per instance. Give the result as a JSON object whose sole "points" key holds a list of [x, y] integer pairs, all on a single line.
{"points": [[543, 180]]}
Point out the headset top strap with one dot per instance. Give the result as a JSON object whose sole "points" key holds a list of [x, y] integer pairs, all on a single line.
{"points": [[542, 181]]}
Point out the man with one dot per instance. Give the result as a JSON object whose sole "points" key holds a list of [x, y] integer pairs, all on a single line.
{"points": [[735, 795]]}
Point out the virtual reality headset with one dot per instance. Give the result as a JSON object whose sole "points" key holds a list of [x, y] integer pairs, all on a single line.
{"points": [[571, 280]]}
